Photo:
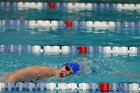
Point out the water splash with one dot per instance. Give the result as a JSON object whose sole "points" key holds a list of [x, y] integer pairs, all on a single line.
{"points": [[85, 65], [96, 66]]}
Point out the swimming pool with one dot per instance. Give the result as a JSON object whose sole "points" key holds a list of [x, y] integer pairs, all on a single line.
{"points": [[44, 36]]}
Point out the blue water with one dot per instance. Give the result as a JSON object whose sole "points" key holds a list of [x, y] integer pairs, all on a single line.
{"points": [[71, 37], [62, 14], [95, 67]]}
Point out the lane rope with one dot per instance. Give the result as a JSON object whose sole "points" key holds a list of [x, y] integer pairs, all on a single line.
{"points": [[102, 87], [68, 6], [54, 24], [70, 49]]}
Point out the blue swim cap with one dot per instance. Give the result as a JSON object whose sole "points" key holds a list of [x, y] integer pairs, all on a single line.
{"points": [[74, 66]]}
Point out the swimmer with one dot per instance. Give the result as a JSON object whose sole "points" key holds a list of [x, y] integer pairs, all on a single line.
{"points": [[39, 72]]}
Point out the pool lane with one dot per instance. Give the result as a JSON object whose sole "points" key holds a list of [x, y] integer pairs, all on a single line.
{"points": [[95, 67], [100, 15], [70, 37]]}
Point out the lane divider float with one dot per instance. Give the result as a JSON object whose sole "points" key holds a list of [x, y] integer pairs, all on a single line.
{"points": [[54, 24], [68, 6], [102, 87], [70, 49]]}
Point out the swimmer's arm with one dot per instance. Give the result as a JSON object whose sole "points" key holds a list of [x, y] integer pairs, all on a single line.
{"points": [[35, 72]]}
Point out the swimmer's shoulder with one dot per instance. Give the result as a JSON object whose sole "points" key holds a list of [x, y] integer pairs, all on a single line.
{"points": [[46, 70], [43, 68]]}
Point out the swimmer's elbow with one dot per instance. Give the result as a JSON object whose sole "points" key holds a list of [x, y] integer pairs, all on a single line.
{"points": [[10, 79]]}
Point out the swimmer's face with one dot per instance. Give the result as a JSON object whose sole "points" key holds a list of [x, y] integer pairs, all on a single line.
{"points": [[65, 71]]}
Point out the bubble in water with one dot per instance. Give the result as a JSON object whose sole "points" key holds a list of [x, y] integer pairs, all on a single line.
{"points": [[97, 65], [85, 65]]}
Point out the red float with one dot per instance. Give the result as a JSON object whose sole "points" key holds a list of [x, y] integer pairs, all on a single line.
{"points": [[104, 87], [68, 23], [52, 5], [83, 49]]}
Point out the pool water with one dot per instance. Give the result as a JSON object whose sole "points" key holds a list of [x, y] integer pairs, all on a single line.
{"points": [[70, 37], [65, 14], [95, 67]]}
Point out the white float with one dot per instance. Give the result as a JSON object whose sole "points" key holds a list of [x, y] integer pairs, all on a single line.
{"points": [[43, 24], [39, 5], [51, 86], [97, 24], [54, 23], [89, 6], [126, 7], [134, 86], [84, 86], [133, 50], [123, 50], [116, 50], [83, 6], [104, 24], [36, 49], [52, 49], [111, 24], [32, 24], [132, 7], [119, 7], [11, 48], [55, 49], [89, 24], [77, 6], [107, 50], [1, 86], [33, 5], [65, 49], [20, 5], [70, 6], [47, 49], [27, 5], [138, 6], [72, 86], [47, 23], [62, 86]]}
